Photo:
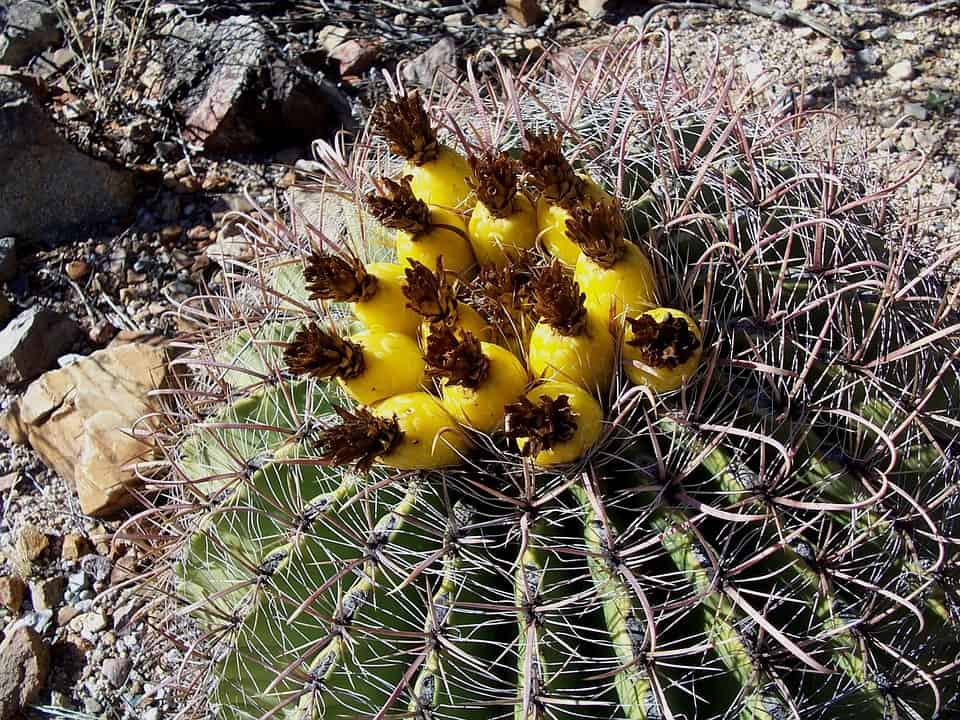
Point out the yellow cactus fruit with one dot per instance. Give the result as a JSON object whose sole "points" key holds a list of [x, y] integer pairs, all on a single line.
{"points": [[503, 224], [439, 175], [410, 431], [661, 349], [424, 233], [555, 424], [433, 296], [477, 380], [376, 291], [612, 272], [370, 366], [567, 344], [561, 190]]}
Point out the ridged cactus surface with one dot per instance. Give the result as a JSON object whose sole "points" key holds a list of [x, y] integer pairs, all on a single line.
{"points": [[767, 530]]}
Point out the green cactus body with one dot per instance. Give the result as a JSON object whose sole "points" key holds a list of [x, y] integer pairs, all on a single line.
{"points": [[775, 539]]}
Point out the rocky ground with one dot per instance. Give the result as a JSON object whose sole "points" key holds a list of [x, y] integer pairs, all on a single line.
{"points": [[130, 146]]}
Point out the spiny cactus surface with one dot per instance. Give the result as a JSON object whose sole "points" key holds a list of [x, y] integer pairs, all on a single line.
{"points": [[774, 539]]}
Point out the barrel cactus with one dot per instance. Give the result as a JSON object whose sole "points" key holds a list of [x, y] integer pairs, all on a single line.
{"points": [[749, 512]]}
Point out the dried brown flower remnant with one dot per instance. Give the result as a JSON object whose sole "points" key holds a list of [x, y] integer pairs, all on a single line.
{"points": [[559, 301], [549, 170], [430, 294], [544, 425], [360, 438], [667, 343], [501, 293], [322, 354], [597, 226], [404, 122], [495, 181], [460, 360], [399, 208], [329, 277]]}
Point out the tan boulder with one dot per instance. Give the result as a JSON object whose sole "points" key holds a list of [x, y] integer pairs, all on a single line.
{"points": [[79, 419]]}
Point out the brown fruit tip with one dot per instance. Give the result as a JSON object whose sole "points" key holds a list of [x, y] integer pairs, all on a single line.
{"points": [[597, 226], [494, 181], [397, 207], [360, 438], [458, 359], [544, 425], [559, 302], [664, 344], [404, 123], [322, 354], [430, 294], [330, 277], [548, 170]]}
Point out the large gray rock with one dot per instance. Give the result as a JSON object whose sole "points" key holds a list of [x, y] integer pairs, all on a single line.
{"points": [[24, 666], [236, 95], [29, 28], [47, 186], [32, 342]]}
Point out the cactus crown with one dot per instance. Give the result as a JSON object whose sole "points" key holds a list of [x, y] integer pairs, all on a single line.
{"points": [[559, 302], [494, 180], [542, 426], [597, 226], [330, 277], [662, 343], [398, 208], [458, 360], [322, 354], [405, 124]]}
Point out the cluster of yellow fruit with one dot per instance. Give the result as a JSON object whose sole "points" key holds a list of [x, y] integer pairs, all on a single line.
{"points": [[465, 227]]}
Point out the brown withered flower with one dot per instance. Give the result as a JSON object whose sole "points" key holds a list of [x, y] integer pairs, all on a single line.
{"points": [[330, 277], [667, 343], [495, 181], [460, 360], [559, 302], [543, 425], [504, 294], [397, 207], [430, 294], [323, 354], [360, 438], [404, 123], [597, 226], [549, 171]]}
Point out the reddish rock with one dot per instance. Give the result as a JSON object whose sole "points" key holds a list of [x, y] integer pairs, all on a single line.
{"points": [[441, 57], [13, 591], [355, 57], [24, 666], [525, 12], [75, 546]]}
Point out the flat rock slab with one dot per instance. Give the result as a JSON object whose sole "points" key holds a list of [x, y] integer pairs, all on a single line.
{"points": [[47, 186], [78, 420], [32, 342]]}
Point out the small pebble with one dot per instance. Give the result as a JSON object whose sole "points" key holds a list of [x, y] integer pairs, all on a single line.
{"points": [[77, 269]]}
